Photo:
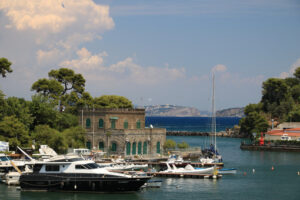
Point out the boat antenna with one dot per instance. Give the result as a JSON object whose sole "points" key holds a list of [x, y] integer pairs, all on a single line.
{"points": [[213, 126]]}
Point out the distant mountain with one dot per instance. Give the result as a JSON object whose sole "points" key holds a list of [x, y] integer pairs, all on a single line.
{"points": [[231, 112], [172, 110], [183, 111]]}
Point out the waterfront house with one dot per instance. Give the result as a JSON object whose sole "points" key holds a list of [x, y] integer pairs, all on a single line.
{"points": [[283, 134], [121, 131]]}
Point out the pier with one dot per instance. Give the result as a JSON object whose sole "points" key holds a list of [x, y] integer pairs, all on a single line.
{"points": [[184, 175]]}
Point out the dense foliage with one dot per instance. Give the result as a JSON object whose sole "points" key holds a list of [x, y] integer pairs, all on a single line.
{"points": [[51, 117], [280, 102]]}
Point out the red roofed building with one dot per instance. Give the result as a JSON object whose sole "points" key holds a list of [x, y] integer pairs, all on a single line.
{"points": [[283, 134]]}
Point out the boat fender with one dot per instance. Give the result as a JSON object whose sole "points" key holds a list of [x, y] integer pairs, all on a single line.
{"points": [[75, 186], [272, 168], [62, 184]]}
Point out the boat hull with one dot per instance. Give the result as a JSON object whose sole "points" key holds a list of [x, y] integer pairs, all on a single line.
{"points": [[80, 182]]}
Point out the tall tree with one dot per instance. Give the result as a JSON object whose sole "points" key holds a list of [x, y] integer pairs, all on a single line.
{"points": [[112, 101], [68, 78], [64, 85], [5, 67]]}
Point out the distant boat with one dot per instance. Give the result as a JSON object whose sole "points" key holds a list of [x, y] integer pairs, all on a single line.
{"points": [[227, 171]]}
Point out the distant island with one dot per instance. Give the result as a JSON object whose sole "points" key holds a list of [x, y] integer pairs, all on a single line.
{"points": [[184, 111]]}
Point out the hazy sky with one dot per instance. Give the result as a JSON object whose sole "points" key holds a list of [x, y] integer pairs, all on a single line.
{"points": [[153, 52]]}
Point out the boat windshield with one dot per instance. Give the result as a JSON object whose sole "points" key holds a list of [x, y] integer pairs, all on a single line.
{"points": [[87, 166], [5, 158]]}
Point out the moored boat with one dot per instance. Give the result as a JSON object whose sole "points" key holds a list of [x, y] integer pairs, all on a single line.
{"points": [[72, 173]]}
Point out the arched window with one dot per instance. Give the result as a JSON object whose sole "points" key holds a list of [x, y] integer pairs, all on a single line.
{"points": [[88, 145], [158, 147], [138, 124], [128, 146], [125, 124], [101, 146], [88, 123], [113, 146], [101, 123], [145, 148], [140, 148], [134, 148]]}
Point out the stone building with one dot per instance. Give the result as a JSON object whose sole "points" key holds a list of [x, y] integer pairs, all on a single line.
{"points": [[122, 132]]}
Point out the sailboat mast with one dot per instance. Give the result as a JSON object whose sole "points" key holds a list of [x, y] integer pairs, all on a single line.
{"points": [[213, 127]]}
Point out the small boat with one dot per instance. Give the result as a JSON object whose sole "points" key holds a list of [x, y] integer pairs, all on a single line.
{"points": [[189, 169], [12, 178], [227, 171]]}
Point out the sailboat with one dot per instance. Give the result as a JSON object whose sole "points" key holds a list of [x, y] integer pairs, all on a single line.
{"points": [[211, 154]]}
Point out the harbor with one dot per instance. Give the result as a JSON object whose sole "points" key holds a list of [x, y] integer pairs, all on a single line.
{"points": [[245, 184]]}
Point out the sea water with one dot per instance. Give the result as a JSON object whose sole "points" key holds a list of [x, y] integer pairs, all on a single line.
{"points": [[279, 184]]}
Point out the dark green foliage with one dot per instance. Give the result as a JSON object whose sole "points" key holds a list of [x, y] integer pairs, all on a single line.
{"points": [[112, 101], [19, 108], [169, 144], [68, 79], [5, 67], [14, 132], [51, 88], [183, 145], [75, 137], [44, 110], [43, 134], [274, 91], [253, 123]]}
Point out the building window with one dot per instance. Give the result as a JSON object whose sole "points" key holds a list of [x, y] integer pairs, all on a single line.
{"points": [[140, 148], [101, 146], [145, 148], [138, 124], [128, 146], [88, 145], [101, 123], [113, 124], [114, 147], [88, 123], [158, 147], [125, 124], [134, 148]]}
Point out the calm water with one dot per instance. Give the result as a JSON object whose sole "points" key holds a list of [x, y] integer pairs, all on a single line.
{"points": [[282, 183], [201, 124]]}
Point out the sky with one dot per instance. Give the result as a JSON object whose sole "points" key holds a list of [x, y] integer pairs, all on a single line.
{"points": [[153, 52]]}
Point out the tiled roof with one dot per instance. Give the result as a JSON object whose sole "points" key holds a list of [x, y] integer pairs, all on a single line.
{"points": [[288, 132]]}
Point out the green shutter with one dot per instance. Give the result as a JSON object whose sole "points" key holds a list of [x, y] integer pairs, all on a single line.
{"points": [[113, 123], [140, 148], [101, 146], [128, 145], [126, 124], [134, 148], [88, 123], [101, 123], [138, 124], [158, 147], [114, 147], [88, 145], [145, 148]]}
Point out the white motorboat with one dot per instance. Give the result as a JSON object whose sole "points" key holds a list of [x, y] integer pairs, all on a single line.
{"points": [[189, 169]]}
